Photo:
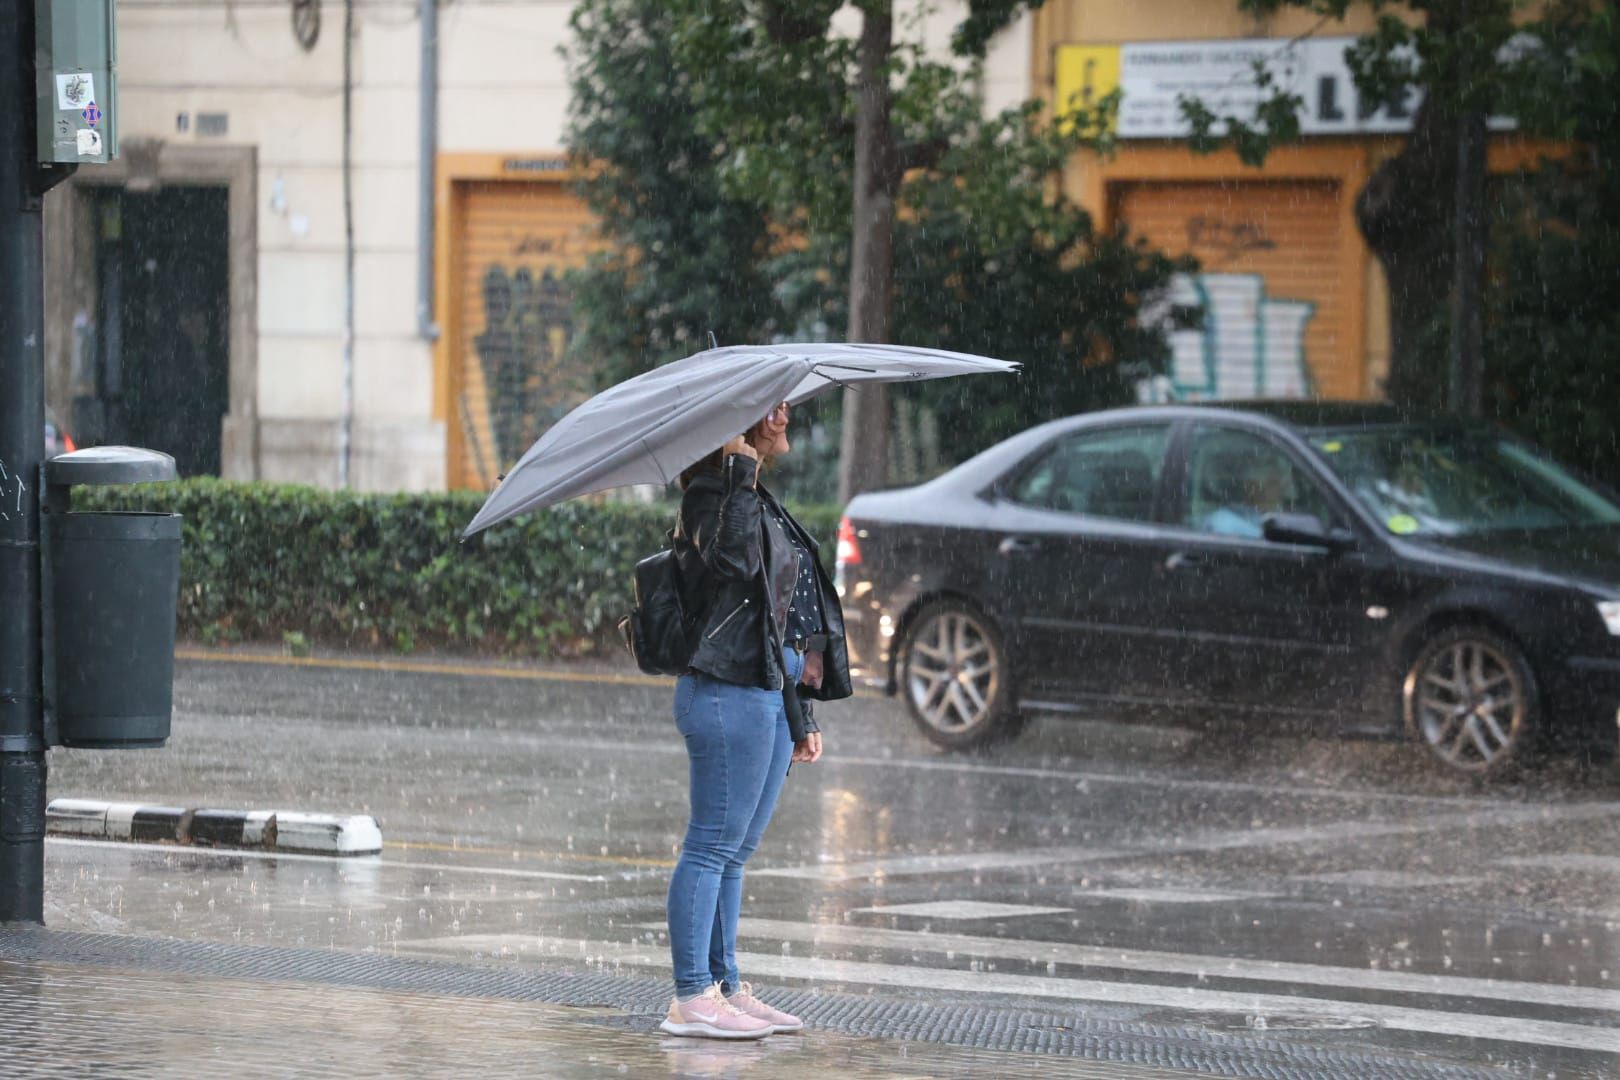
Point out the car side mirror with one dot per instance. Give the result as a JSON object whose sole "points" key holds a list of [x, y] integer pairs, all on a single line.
{"points": [[1306, 530]]}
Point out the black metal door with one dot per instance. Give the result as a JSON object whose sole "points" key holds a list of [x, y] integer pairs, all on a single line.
{"points": [[163, 322]]}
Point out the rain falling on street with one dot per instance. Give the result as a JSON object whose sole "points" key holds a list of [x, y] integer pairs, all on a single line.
{"points": [[766, 538], [1326, 894]]}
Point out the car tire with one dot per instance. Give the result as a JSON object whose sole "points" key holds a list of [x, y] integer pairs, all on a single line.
{"points": [[1471, 700], [955, 678]]}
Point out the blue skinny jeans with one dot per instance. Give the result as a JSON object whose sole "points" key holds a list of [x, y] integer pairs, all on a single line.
{"points": [[738, 747]]}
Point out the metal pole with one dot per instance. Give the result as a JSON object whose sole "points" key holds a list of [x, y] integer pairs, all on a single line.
{"points": [[427, 150], [22, 449], [346, 407]]}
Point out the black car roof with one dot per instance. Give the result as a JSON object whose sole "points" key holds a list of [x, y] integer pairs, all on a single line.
{"points": [[1305, 416], [1330, 414]]}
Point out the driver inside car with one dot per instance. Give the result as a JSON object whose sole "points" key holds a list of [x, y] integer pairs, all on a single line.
{"points": [[1263, 490]]}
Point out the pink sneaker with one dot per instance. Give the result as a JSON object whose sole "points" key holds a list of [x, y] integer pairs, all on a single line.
{"points": [[781, 1022], [711, 1016]]}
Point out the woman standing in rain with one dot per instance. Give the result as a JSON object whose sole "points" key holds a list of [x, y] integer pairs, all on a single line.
{"points": [[772, 631]]}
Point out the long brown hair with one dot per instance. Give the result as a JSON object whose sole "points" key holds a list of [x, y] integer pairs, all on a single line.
{"points": [[715, 460]]}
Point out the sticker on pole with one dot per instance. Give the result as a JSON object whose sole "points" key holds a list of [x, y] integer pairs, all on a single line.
{"points": [[89, 142], [91, 114], [74, 89]]}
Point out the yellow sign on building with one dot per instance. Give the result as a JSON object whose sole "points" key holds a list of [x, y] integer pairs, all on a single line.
{"points": [[1085, 75]]}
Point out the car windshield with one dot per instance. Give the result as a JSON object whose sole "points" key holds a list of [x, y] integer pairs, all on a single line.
{"points": [[1456, 482]]}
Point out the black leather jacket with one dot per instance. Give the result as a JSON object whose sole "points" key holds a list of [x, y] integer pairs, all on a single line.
{"points": [[722, 553]]}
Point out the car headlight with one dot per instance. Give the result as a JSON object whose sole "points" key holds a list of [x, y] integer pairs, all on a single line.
{"points": [[1610, 610]]}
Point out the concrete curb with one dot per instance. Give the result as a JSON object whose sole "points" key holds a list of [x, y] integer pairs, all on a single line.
{"points": [[273, 830]]}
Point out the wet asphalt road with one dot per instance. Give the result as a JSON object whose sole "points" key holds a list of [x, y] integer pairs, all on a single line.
{"points": [[1341, 893]]}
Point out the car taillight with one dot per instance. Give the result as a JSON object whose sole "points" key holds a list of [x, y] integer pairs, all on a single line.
{"points": [[849, 552]]}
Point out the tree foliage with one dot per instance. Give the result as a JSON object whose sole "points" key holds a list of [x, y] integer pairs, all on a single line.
{"points": [[1552, 330], [1453, 52], [765, 96], [1552, 327], [990, 260], [683, 256], [1464, 58]]}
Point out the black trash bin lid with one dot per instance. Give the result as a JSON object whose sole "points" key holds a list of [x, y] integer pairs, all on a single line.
{"points": [[104, 465]]}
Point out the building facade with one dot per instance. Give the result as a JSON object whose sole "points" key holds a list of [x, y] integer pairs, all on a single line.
{"points": [[249, 272], [1294, 304]]}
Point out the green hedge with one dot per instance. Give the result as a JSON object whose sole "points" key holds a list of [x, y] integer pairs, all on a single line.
{"points": [[264, 562]]}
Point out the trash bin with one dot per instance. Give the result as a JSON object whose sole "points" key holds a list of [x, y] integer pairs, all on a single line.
{"points": [[112, 581]]}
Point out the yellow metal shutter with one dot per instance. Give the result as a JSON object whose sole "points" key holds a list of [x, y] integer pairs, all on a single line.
{"points": [[511, 376], [1276, 307]]}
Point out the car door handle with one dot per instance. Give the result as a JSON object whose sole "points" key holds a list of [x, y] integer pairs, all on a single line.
{"points": [[1179, 560], [1019, 545]]}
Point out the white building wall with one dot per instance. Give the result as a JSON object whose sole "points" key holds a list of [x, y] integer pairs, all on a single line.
{"points": [[503, 88]]}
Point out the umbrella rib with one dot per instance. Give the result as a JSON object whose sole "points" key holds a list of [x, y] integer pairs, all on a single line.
{"points": [[840, 383]]}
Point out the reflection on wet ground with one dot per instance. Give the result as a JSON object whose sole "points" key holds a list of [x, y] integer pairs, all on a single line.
{"points": [[1339, 892]]}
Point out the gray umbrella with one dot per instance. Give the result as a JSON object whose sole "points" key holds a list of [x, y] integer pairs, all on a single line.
{"points": [[647, 429]]}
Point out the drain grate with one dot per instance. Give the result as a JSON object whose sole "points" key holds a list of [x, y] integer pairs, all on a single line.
{"points": [[1027, 1030]]}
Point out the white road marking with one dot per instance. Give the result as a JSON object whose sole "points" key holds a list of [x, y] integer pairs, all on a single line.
{"points": [[1593, 864], [1227, 967], [912, 977], [965, 909], [503, 945], [369, 862], [1029, 772], [1173, 896], [496, 871], [1164, 780], [1336, 832], [1385, 879], [914, 865]]}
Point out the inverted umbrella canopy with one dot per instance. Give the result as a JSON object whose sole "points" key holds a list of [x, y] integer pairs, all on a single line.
{"points": [[646, 430]]}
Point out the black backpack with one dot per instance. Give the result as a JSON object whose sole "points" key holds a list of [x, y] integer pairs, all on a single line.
{"points": [[658, 632]]}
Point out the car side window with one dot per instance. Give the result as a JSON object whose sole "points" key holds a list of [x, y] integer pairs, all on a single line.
{"points": [[1236, 478], [1112, 474]]}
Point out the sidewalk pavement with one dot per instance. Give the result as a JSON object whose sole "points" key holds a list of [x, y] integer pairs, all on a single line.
{"points": [[76, 1004], [75, 1019]]}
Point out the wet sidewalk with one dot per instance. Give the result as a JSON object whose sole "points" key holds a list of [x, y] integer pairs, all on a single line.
{"points": [[1072, 905], [82, 1019], [68, 1020], [75, 1005]]}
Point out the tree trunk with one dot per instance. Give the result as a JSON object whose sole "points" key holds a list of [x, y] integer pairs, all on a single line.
{"points": [[1406, 215], [1423, 215], [864, 453], [1467, 353]]}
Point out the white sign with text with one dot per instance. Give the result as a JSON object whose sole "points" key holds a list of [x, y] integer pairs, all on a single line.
{"points": [[1153, 76]]}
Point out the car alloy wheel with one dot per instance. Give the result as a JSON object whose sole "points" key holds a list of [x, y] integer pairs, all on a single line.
{"points": [[1469, 700], [953, 674]]}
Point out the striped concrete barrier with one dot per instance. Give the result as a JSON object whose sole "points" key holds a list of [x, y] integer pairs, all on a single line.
{"points": [[273, 830]]}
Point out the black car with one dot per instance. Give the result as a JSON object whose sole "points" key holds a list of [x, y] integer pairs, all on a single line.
{"points": [[1332, 566]]}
